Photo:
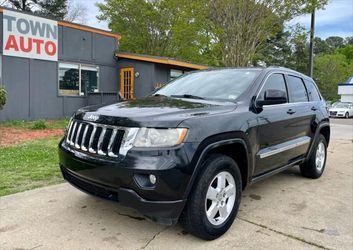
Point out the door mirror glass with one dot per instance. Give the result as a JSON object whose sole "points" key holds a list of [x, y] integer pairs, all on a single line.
{"points": [[272, 97]]}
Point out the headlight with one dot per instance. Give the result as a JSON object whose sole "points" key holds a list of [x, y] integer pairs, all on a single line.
{"points": [[152, 137]]}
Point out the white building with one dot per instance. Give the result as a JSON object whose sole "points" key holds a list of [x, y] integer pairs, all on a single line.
{"points": [[346, 90]]}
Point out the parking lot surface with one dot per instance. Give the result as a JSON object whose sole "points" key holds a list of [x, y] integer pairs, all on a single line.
{"points": [[285, 211]]}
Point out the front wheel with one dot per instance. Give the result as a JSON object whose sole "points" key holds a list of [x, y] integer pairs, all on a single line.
{"points": [[315, 165], [215, 198], [347, 115]]}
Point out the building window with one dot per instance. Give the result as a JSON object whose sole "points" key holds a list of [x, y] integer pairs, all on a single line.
{"points": [[77, 79], [175, 73]]}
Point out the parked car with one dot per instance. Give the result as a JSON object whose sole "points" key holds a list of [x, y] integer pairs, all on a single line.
{"points": [[342, 109], [188, 150]]}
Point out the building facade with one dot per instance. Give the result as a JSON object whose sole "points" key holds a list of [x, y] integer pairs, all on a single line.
{"points": [[51, 68], [345, 90]]}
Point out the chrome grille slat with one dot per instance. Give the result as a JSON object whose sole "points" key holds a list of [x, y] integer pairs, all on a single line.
{"points": [[72, 134], [100, 142], [84, 138], [110, 145], [69, 133], [95, 138], [78, 136], [90, 149]]}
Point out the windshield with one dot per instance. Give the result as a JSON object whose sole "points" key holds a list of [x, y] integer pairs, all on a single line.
{"points": [[341, 105], [225, 84]]}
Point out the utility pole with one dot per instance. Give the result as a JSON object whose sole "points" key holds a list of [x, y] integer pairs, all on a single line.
{"points": [[312, 33]]}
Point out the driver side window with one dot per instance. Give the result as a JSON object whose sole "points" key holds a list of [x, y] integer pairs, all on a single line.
{"points": [[274, 82]]}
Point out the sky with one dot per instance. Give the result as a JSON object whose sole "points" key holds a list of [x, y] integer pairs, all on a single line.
{"points": [[335, 20]]}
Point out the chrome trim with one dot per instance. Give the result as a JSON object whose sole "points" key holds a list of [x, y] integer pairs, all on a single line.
{"points": [[100, 142], [84, 138], [78, 136], [68, 132], [90, 149], [279, 148], [110, 145], [128, 140], [72, 134]]}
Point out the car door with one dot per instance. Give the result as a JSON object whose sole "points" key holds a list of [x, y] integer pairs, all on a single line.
{"points": [[303, 117], [273, 128]]}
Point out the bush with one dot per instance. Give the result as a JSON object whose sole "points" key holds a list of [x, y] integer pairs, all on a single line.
{"points": [[2, 97], [40, 124]]}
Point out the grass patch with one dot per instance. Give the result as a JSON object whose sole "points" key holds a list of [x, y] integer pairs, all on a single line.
{"points": [[29, 165], [38, 124]]}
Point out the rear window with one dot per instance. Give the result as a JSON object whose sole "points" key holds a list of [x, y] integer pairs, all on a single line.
{"points": [[296, 88], [312, 91]]}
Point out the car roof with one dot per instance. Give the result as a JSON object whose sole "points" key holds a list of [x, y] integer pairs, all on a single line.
{"points": [[265, 69]]}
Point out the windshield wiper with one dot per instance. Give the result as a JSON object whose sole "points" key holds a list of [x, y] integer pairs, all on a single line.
{"points": [[188, 96]]}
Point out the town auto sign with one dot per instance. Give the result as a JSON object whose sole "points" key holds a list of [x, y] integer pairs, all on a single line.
{"points": [[29, 36]]}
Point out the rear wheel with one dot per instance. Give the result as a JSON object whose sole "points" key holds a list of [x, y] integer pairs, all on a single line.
{"points": [[215, 199], [315, 165]]}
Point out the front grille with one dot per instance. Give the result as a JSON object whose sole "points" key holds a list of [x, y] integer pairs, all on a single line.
{"points": [[95, 138], [333, 112], [88, 187]]}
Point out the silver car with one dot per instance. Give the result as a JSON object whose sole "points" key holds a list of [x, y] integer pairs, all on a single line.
{"points": [[342, 109]]}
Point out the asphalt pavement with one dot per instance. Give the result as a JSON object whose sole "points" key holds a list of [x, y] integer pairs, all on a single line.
{"points": [[285, 211]]}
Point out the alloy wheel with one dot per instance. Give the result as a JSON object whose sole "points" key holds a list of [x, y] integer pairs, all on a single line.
{"points": [[220, 198]]}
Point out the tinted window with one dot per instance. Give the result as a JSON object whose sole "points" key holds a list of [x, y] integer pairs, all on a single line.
{"points": [[275, 81], [312, 91], [297, 91]]}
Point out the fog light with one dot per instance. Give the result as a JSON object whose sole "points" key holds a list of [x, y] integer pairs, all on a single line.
{"points": [[153, 179]]}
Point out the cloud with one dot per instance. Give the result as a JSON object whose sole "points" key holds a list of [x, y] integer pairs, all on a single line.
{"points": [[335, 20]]}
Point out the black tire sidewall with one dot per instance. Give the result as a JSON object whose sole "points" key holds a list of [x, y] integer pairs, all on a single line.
{"points": [[309, 168], [211, 167]]}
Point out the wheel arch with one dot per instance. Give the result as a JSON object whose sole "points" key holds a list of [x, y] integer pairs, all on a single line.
{"points": [[325, 130], [238, 148]]}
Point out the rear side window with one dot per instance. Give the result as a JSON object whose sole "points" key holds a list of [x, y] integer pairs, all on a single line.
{"points": [[312, 91], [275, 81], [296, 88]]}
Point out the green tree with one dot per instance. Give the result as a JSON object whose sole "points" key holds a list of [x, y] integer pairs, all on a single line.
{"points": [[51, 8], [321, 46], [217, 32], [347, 51], [335, 42], [2, 97], [329, 70], [349, 40]]}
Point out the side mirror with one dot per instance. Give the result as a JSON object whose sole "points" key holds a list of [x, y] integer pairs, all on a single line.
{"points": [[272, 97]]}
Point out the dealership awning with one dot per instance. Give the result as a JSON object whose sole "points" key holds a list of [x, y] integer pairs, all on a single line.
{"points": [[159, 59]]}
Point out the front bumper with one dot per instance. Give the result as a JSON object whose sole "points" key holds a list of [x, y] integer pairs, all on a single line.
{"points": [[117, 180]]}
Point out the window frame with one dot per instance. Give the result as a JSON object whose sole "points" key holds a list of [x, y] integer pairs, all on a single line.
{"points": [[316, 88], [80, 66], [263, 83], [302, 80]]}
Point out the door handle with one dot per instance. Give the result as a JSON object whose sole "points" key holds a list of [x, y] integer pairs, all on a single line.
{"points": [[291, 111], [313, 108]]}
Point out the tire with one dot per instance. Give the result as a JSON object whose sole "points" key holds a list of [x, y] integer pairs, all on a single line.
{"points": [[312, 168], [194, 217], [346, 115]]}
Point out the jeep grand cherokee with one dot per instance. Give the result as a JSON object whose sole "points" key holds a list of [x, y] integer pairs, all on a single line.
{"points": [[189, 149]]}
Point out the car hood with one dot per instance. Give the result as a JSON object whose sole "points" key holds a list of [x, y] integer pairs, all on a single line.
{"points": [[154, 111]]}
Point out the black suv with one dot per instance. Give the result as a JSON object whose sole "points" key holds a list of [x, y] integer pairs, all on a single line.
{"points": [[189, 149]]}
